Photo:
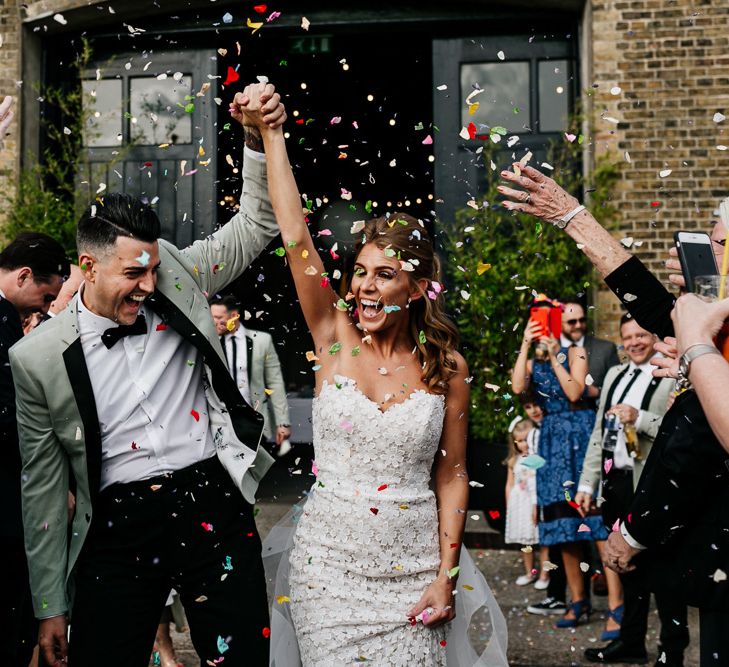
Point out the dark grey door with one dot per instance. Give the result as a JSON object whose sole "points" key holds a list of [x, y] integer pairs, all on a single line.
{"points": [[150, 133], [519, 89]]}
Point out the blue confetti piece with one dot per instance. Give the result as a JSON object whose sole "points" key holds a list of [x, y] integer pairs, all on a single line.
{"points": [[391, 309], [227, 17], [228, 565], [533, 461], [222, 645], [143, 259]]}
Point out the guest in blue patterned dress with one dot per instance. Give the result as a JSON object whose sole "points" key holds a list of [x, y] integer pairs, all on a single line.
{"points": [[558, 380]]}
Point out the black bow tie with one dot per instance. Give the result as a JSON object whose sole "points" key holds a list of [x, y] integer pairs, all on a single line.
{"points": [[112, 335]]}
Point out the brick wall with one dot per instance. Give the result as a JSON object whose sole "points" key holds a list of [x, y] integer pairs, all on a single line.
{"points": [[9, 76], [670, 58]]}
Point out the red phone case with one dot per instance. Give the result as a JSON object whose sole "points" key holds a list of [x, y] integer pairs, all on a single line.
{"points": [[549, 318]]}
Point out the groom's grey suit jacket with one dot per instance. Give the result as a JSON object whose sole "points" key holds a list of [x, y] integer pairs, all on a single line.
{"points": [[58, 424]]}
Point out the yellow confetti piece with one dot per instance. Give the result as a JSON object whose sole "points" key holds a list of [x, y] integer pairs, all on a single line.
{"points": [[205, 163], [482, 268], [399, 568], [310, 356], [163, 146], [473, 108], [200, 151], [517, 171], [202, 598], [230, 324], [404, 507], [283, 598], [255, 26], [268, 392], [467, 587], [304, 254], [196, 270]]}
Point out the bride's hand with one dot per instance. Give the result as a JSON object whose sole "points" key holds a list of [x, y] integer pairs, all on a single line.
{"points": [[438, 597]]}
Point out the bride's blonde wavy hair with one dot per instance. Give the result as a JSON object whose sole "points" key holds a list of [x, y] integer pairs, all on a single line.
{"points": [[407, 237]]}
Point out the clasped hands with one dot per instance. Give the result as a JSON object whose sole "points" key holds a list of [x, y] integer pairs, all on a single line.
{"points": [[259, 106]]}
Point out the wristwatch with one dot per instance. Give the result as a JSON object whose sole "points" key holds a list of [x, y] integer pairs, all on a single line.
{"points": [[563, 222], [684, 363]]}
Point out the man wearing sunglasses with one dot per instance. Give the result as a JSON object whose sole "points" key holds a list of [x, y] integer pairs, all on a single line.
{"points": [[601, 354]]}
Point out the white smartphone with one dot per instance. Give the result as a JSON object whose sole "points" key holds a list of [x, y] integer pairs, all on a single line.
{"points": [[696, 256]]}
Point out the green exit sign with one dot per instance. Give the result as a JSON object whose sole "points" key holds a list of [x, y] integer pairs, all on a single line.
{"points": [[310, 44]]}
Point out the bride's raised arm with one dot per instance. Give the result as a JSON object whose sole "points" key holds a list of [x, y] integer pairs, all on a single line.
{"points": [[317, 298]]}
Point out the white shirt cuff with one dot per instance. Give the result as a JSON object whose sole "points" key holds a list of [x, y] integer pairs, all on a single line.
{"points": [[585, 488], [629, 538], [254, 155], [639, 420]]}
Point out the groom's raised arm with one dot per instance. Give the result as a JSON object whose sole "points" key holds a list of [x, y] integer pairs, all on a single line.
{"points": [[222, 257]]}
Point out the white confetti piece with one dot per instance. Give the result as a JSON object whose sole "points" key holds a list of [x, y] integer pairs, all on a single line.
{"points": [[626, 155], [475, 485], [589, 380], [664, 173], [719, 575], [442, 87], [465, 295], [629, 297], [500, 55], [627, 241], [305, 23], [616, 90], [79, 436], [584, 566], [60, 19], [548, 567], [719, 117]]}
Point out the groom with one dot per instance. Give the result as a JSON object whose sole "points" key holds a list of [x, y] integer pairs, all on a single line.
{"points": [[126, 398]]}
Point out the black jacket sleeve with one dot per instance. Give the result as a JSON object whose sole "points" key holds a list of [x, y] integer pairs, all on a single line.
{"points": [[649, 302]]}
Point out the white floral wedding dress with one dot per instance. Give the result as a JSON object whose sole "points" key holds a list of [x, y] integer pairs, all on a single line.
{"points": [[365, 545]]}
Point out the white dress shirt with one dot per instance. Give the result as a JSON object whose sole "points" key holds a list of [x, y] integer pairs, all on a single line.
{"points": [[566, 342], [237, 339], [149, 396], [634, 398]]}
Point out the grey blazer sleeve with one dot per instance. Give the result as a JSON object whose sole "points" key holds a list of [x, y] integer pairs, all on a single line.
{"points": [[275, 382], [44, 493], [591, 466], [222, 257]]}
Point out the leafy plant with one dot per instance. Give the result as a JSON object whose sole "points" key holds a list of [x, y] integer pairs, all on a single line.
{"points": [[497, 262]]}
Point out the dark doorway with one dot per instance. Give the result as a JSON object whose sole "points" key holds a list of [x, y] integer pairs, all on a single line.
{"points": [[360, 141]]}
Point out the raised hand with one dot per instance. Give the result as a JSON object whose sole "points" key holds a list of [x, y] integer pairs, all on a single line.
{"points": [[667, 365], [532, 331], [259, 106]]}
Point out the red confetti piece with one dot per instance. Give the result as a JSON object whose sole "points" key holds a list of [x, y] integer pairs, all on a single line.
{"points": [[249, 534], [207, 526], [299, 121], [134, 445], [266, 632], [572, 503], [259, 9], [494, 514], [382, 487], [161, 327], [216, 268], [324, 281], [195, 415], [374, 510], [333, 254], [412, 620], [655, 204], [232, 77], [443, 642], [454, 545], [471, 131], [147, 164]]}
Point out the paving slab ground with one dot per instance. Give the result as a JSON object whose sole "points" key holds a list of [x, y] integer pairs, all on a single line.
{"points": [[533, 640]]}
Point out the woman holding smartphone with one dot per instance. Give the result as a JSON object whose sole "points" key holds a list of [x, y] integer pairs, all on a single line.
{"points": [[559, 380]]}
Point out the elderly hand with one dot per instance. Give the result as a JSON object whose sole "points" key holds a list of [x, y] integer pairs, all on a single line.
{"points": [[697, 321], [584, 500], [541, 196], [258, 106], [667, 365], [627, 414], [618, 553], [6, 115]]}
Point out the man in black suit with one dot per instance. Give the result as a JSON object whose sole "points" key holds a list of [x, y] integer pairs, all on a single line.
{"points": [[32, 269]]}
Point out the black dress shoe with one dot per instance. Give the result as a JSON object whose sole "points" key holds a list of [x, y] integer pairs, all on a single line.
{"points": [[617, 651]]}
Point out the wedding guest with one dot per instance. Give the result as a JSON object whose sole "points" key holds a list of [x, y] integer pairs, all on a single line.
{"points": [[139, 407], [559, 382], [32, 268], [684, 549], [631, 408]]}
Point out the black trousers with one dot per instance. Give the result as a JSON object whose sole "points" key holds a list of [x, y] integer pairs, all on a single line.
{"points": [[714, 638], [191, 530], [674, 635], [18, 626]]}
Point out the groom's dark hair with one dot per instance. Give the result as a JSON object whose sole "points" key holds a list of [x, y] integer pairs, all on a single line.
{"points": [[115, 215]]}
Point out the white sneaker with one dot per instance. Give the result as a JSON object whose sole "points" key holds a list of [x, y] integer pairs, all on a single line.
{"points": [[541, 584], [284, 448], [525, 580]]}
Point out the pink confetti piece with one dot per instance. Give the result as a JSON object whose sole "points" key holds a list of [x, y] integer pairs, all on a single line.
{"points": [[608, 465], [583, 528], [314, 469], [428, 141]]}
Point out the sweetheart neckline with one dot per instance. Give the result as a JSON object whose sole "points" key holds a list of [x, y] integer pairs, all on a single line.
{"points": [[353, 383]]}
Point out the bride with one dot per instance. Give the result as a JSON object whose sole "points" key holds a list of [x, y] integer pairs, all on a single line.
{"points": [[375, 559]]}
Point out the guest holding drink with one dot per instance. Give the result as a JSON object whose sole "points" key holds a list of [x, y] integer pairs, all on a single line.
{"points": [[558, 381]]}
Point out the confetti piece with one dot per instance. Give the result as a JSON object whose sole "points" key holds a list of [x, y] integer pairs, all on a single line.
{"points": [[227, 17], [482, 268], [254, 25], [719, 575], [335, 348], [584, 566], [494, 514], [616, 90], [356, 350], [195, 415], [607, 466], [232, 77], [305, 23], [391, 309], [454, 571], [59, 18], [268, 392], [374, 510], [310, 356], [266, 632], [421, 338], [222, 645], [280, 252], [664, 173], [357, 227], [500, 55], [475, 484], [465, 295], [310, 271], [260, 9], [280, 599], [382, 487], [616, 526], [207, 526], [719, 117], [228, 563], [583, 528], [155, 487], [161, 327], [134, 445]]}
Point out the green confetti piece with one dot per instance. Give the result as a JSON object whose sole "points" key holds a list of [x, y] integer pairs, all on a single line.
{"points": [[368, 206], [301, 141], [290, 244], [335, 348], [342, 305], [517, 110], [499, 130], [190, 363], [581, 139], [422, 338], [283, 63], [187, 98], [309, 204], [419, 126], [454, 571], [309, 121], [226, 126], [538, 229], [280, 252], [44, 603], [586, 283], [389, 252], [356, 350], [178, 287]]}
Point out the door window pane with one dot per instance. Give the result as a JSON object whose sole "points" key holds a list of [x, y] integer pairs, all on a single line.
{"points": [[553, 95], [103, 109], [505, 98], [160, 111]]}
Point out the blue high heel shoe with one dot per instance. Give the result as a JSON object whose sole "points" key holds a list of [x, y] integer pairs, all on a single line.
{"points": [[579, 608], [617, 616]]}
